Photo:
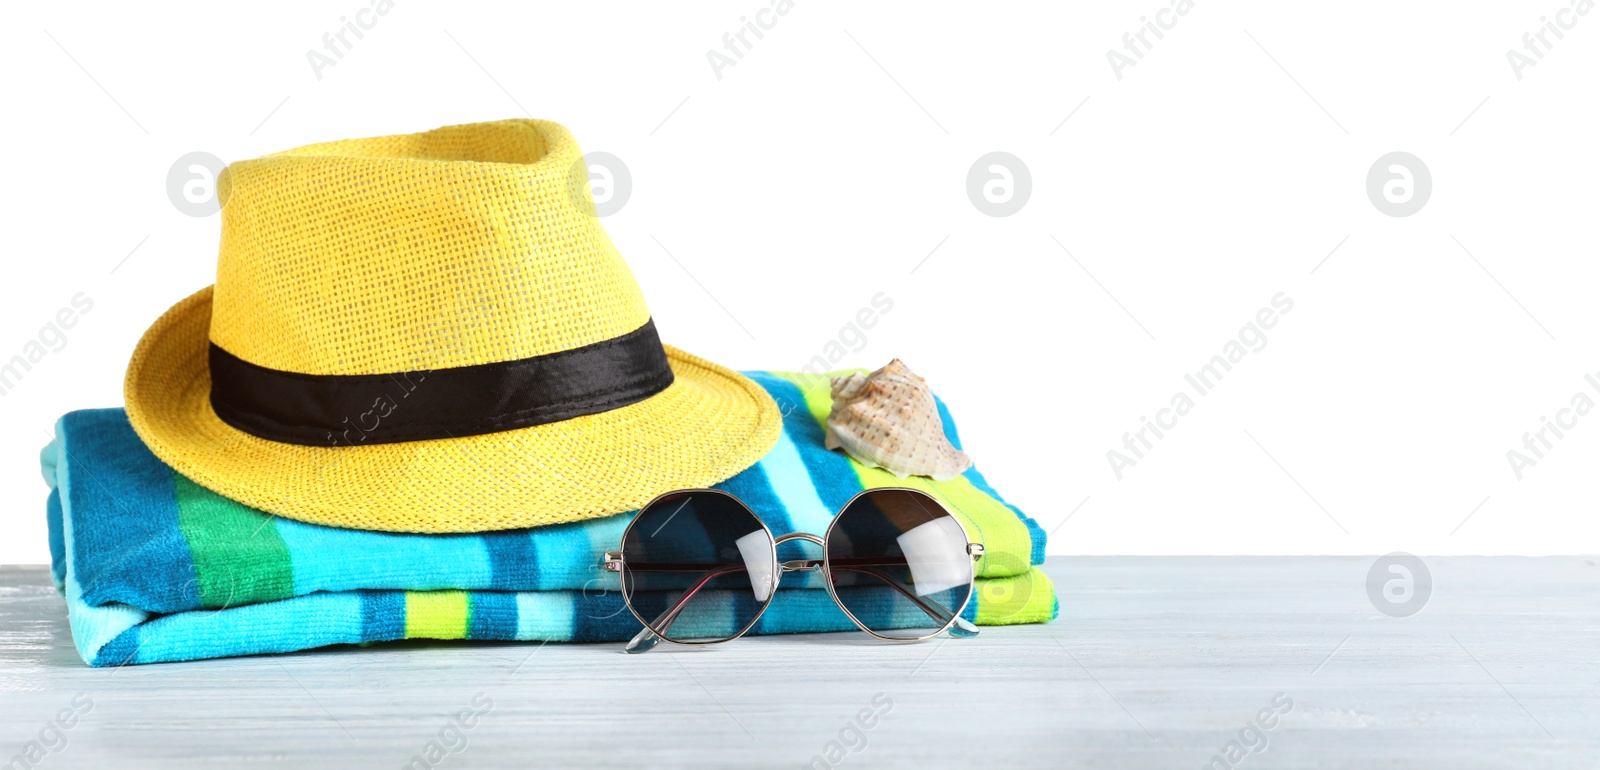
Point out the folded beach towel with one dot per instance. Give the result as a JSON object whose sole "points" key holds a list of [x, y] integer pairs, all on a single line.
{"points": [[156, 568]]}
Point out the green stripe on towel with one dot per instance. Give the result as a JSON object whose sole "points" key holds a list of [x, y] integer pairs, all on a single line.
{"points": [[239, 558]]}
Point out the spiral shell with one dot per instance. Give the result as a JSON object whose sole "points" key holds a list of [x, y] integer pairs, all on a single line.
{"points": [[888, 419]]}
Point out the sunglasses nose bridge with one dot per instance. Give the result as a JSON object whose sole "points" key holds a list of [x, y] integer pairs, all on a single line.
{"points": [[806, 536], [799, 565]]}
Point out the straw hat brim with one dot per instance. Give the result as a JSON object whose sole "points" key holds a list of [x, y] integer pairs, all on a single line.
{"points": [[708, 425]]}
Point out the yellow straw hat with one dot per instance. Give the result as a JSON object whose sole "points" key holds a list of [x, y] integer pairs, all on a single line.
{"points": [[432, 333]]}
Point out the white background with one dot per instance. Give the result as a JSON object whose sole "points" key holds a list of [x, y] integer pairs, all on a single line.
{"points": [[826, 165]]}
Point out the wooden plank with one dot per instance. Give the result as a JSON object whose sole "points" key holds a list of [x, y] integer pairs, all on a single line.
{"points": [[1156, 662]]}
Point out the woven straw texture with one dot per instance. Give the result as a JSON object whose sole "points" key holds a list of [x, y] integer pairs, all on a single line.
{"points": [[465, 245]]}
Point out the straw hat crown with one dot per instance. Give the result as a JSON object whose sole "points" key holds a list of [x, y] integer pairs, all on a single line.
{"points": [[432, 333], [463, 245]]}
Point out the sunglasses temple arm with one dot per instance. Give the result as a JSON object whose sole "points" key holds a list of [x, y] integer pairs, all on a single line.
{"points": [[961, 628], [646, 639]]}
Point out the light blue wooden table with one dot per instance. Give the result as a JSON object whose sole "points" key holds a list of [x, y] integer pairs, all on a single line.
{"points": [[1156, 662]]}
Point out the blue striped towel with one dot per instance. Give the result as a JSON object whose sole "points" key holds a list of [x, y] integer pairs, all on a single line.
{"points": [[156, 568]]}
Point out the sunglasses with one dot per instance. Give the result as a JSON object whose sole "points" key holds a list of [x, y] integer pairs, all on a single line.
{"points": [[699, 567]]}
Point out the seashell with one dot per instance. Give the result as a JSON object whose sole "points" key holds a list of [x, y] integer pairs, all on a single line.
{"points": [[888, 419]]}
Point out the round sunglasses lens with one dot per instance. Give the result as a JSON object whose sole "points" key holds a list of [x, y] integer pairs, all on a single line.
{"points": [[899, 563], [697, 566]]}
